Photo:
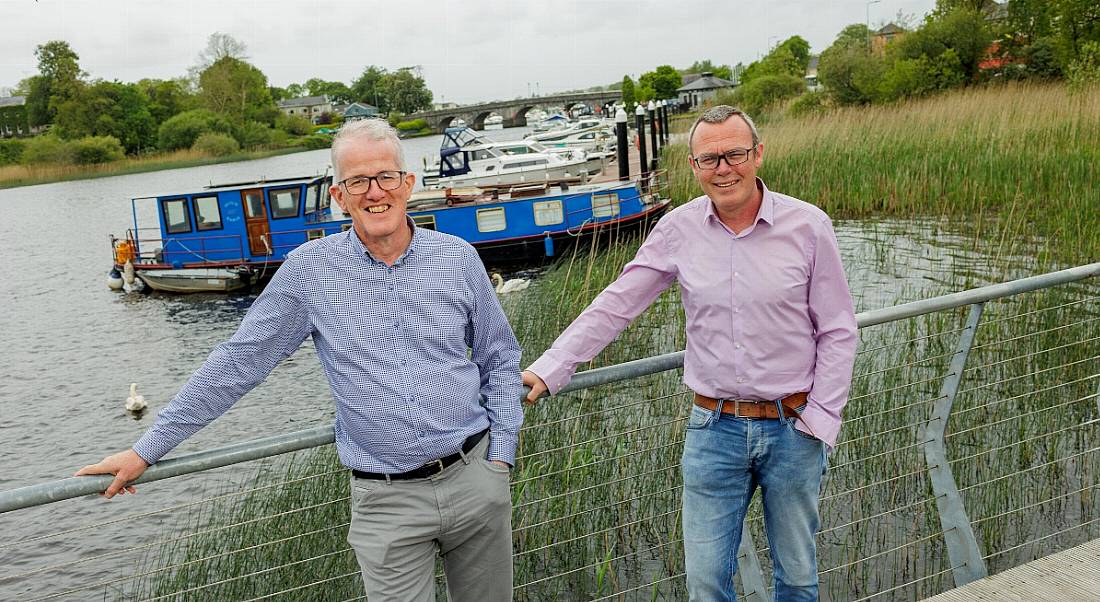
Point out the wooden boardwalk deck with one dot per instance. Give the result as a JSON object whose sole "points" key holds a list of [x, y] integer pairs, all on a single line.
{"points": [[1071, 575]]}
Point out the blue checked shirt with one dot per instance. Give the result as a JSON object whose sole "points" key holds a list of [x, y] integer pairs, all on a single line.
{"points": [[419, 356]]}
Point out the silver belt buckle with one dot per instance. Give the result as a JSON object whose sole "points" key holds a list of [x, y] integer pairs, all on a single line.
{"points": [[737, 408]]}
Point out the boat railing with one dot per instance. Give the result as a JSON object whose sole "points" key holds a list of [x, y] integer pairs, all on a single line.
{"points": [[909, 507]]}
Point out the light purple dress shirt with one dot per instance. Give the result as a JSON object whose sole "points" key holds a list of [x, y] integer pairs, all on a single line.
{"points": [[768, 309]]}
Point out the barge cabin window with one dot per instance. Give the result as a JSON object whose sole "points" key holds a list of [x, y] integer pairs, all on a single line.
{"points": [[315, 234], [208, 215], [284, 202], [425, 221], [312, 195], [605, 205], [177, 219], [548, 213], [491, 220]]}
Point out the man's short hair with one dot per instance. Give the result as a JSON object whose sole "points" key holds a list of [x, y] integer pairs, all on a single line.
{"points": [[373, 129], [719, 114]]}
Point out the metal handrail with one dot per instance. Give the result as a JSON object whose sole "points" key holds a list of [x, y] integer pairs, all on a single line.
{"points": [[54, 491]]}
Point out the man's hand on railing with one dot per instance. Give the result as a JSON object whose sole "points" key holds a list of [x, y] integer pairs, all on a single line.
{"points": [[127, 466], [538, 387]]}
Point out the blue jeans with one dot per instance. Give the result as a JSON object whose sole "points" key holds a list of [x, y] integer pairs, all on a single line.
{"points": [[725, 459]]}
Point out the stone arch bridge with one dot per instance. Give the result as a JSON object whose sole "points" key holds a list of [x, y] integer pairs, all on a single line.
{"points": [[514, 112]]}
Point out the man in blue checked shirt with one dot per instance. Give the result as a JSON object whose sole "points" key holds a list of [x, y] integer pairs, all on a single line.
{"points": [[424, 369]]}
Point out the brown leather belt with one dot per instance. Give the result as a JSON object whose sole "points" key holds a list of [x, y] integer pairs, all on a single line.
{"points": [[753, 409]]}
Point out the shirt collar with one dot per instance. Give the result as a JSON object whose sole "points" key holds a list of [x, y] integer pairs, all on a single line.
{"points": [[765, 213], [356, 247]]}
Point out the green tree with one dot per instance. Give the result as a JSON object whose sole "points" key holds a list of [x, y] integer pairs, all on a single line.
{"points": [[847, 69], [965, 32], [108, 109], [59, 79], [660, 83], [406, 92], [181, 131], [236, 89], [766, 90], [369, 88], [722, 71], [167, 97], [336, 91], [295, 91], [791, 57], [628, 93]]}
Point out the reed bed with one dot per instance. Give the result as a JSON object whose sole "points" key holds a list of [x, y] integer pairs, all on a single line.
{"points": [[1023, 158], [12, 176]]}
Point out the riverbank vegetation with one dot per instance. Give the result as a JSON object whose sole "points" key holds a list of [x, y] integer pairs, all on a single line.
{"points": [[1013, 161], [224, 106], [12, 176]]}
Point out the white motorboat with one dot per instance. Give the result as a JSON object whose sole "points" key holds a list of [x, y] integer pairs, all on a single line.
{"points": [[469, 159], [592, 135], [493, 122]]}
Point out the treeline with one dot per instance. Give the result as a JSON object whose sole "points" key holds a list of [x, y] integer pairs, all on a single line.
{"points": [[962, 42], [225, 104], [662, 82]]}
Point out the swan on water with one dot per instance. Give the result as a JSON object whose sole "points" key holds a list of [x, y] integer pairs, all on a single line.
{"points": [[511, 286], [135, 402]]}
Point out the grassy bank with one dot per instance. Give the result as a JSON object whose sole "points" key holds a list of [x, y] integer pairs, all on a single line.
{"points": [[12, 176], [1026, 157]]}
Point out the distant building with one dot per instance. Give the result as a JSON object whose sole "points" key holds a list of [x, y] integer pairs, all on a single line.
{"points": [[13, 117], [310, 107], [811, 74], [881, 38], [359, 110], [701, 89], [439, 106]]}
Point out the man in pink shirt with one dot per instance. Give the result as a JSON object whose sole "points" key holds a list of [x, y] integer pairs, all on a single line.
{"points": [[771, 340]]}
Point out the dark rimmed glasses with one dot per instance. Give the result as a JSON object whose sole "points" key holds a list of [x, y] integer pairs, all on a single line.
{"points": [[732, 157], [387, 180]]}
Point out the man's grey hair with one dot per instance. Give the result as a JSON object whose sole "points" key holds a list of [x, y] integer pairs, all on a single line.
{"points": [[719, 114], [372, 129]]}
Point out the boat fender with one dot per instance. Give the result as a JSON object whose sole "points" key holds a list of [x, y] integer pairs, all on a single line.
{"points": [[128, 273], [114, 280], [548, 245]]}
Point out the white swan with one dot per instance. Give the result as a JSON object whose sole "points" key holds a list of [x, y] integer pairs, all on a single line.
{"points": [[511, 286], [135, 402]]}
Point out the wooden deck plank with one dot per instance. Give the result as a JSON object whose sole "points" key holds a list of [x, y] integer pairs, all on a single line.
{"points": [[1072, 574]]}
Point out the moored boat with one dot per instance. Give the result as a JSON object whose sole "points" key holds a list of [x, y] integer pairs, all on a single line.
{"points": [[234, 236], [469, 159]]}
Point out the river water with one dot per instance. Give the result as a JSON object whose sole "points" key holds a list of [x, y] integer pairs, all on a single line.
{"points": [[71, 346]]}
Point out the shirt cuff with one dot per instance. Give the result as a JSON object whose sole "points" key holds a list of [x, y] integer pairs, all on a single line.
{"points": [[150, 449], [817, 422], [502, 446], [554, 372]]}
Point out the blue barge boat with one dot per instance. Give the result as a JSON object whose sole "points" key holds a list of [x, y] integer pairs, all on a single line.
{"points": [[233, 236]]}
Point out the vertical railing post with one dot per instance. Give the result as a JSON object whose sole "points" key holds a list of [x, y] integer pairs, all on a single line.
{"points": [[622, 143], [962, 546], [748, 566], [643, 165]]}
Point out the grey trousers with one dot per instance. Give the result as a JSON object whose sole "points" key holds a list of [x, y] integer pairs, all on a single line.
{"points": [[463, 513]]}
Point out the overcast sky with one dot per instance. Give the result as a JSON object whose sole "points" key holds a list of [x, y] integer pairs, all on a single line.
{"points": [[468, 50]]}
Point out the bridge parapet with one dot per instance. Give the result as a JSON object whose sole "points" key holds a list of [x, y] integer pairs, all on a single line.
{"points": [[515, 111]]}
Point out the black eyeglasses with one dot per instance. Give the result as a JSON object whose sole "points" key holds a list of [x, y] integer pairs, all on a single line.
{"points": [[387, 180], [734, 156]]}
